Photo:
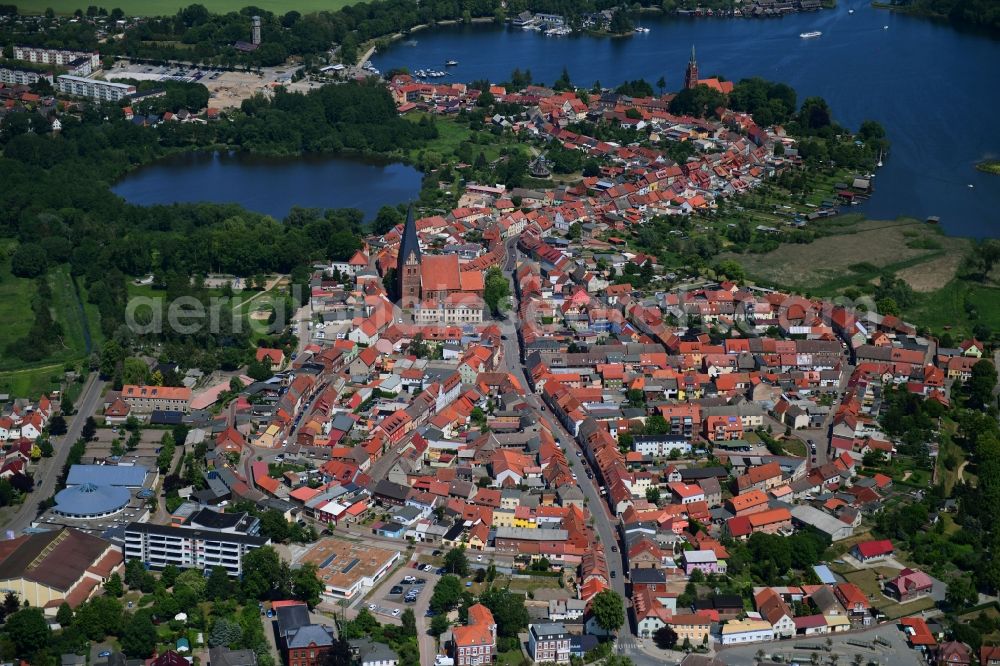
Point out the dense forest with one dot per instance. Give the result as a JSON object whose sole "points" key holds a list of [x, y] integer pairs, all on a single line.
{"points": [[977, 13], [58, 215]]}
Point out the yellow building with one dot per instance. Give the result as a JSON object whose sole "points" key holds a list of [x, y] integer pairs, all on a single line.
{"points": [[503, 518], [48, 568], [695, 628]]}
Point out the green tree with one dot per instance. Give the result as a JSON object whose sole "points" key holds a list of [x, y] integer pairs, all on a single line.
{"points": [[89, 429], [609, 610], [139, 636], [274, 526], [99, 617], [409, 622], [665, 637], [508, 610], [113, 586], [29, 260], [456, 561], [64, 616], [266, 576], [447, 593], [225, 632], [218, 586], [386, 218], [57, 426], [961, 593], [439, 624], [306, 585], [653, 495], [981, 384], [169, 575], [29, 631], [112, 355], [497, 290], [135, 371]]}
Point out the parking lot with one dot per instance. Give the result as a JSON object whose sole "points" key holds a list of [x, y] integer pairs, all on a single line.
{"points": [[408, 587]]}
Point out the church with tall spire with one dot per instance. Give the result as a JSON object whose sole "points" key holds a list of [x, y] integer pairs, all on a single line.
{"points": [[429, 279], [408, 264], [691, 74]]}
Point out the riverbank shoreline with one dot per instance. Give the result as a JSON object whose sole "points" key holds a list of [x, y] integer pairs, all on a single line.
{"points": [[989, 166]]}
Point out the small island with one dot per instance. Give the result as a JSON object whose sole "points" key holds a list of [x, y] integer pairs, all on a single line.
{"points": [[989, 166]]}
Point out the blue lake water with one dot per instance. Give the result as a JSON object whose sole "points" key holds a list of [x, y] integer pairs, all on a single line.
{"points": [[934, 88], [271, 185]]}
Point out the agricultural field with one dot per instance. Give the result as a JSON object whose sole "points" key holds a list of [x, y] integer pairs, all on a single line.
{"points": [[171, 7]]}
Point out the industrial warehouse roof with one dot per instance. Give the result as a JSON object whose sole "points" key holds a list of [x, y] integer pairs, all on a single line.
{"points": [[107, 475], [89, 499]]}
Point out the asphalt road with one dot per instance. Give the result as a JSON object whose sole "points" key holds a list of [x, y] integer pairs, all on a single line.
{"points": [[821, 435], [604, 523], [48, 468]]}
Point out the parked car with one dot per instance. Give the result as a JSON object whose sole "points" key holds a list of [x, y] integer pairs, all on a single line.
{"points": [[395, 612], [396, 589]]}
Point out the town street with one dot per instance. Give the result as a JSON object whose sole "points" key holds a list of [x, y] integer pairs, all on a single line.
{"points": [[604, 523], [48, 469]]}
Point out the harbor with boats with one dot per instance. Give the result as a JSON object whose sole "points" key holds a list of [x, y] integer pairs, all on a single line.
{"points": [[933, 153]]}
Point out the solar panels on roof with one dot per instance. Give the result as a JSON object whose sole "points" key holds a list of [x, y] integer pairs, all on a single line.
{"points": [[327, 561], [351, 565]]}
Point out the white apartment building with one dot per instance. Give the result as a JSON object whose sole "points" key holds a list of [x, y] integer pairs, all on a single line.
{"points": [[104, 91], [60, 57], [156, 546]]}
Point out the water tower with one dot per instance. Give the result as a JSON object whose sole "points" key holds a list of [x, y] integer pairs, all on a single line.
{"points": [[255, 35]]}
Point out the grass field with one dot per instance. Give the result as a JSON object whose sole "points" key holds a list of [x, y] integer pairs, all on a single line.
{"points": [[170, 7], [31, 382], [856, 253], [451, 134], [16, 293], [66, 310], [945, 308]]}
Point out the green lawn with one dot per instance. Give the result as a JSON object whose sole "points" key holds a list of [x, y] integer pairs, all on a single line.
{"points": [[31, 382], [452, 133], [15, 306], [15, 311], [66, 310], [170, 7], [511, 658], [944, 309], [867, 580], [794, 447]]}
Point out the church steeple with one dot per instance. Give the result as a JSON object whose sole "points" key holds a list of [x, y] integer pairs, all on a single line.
{"points": [[408, 263], [691, 74]]}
